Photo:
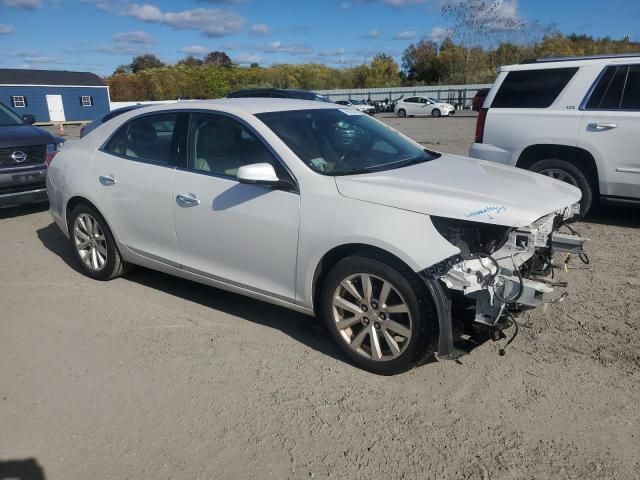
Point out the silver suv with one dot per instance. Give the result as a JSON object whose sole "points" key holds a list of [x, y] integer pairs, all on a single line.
{"points": [[576, 119]]}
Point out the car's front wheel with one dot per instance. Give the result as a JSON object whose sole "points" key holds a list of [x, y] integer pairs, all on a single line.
{"points": [[436, 113], [93, 244], [569, 173], [379, 314], [402, 113]]}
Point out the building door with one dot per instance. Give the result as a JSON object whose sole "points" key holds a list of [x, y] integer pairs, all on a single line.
{"points": [[56, 109]]}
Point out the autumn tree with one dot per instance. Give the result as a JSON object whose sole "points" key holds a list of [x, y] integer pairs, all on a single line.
{"points": [[145, 62], [219, 59]]}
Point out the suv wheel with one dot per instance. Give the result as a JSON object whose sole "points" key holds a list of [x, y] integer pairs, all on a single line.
{"points": [[567, 172], [378, 314], [402, 113], [93, 244], [436, 113]]}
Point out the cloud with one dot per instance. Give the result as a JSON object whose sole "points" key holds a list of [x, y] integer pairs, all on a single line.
{"points": [[230, 2], [345, 6], [292, 49], [24, 4], [405, 35], [133, 37], [211, 22], [438, 34], [395, 3], [260, 29], [331, 53], [248, 59], [196, 50], [6, 29], [375, 33]]}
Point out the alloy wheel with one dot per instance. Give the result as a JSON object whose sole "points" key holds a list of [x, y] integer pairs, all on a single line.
{"points": [[559, 175], [372, 317], [90, 242]]}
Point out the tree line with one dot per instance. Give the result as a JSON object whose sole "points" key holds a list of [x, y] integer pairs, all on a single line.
{"points": [[459, 59]]}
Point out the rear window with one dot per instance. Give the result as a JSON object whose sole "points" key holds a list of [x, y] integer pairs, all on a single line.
{"points": [[532, 88]]}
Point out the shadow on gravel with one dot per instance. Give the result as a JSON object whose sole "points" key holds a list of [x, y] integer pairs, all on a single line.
{"points": [[12, 212], [27, 469], [614, 215], [302, 328], [53, 239]]}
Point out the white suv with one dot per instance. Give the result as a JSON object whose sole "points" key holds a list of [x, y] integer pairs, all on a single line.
{"points": [[574, 119]]}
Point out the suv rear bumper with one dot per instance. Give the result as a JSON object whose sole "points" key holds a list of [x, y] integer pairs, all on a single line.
{"points": [[23, 186], [491, 153]]}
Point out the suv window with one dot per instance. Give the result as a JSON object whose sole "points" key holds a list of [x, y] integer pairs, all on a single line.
{"points": [[631, 98], [219, 144], [146, 138], [532, 88], [608, 91]]}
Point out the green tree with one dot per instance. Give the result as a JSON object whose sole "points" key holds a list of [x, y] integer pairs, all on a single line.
{"points": [[145, 62], [219, 59], [420, 62]]}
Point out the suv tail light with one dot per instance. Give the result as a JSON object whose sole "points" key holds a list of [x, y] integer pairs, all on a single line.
{"points": [[482, 118]]}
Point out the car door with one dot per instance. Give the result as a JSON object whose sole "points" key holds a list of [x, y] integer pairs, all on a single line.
{"points": [[242, 234], [133, 174], [611, 127], [411, 105]]}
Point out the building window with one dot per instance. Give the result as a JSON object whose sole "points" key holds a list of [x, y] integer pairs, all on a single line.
{"points": [[18, 101], [86, 101]]}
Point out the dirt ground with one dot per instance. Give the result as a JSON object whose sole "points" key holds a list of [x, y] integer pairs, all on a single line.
{"points": [[153, 377]]}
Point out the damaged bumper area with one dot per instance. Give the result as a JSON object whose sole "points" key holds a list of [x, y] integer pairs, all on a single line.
{"points": [[498, 268]]}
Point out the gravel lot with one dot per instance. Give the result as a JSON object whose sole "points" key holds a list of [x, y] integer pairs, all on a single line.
{"points": [[154, 377]]}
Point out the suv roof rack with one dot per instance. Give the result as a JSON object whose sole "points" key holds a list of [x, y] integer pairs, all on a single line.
{"points": [[586, 57]]}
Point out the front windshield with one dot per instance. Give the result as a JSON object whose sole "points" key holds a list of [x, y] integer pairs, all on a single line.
{"points": [[433, 100], [8, 118], [335, 141]]}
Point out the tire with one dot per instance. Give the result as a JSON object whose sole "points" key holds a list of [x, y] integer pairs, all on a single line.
{"points": [[435, 113], [404, 336], [86, 225], [402, 113], [567, 172]]}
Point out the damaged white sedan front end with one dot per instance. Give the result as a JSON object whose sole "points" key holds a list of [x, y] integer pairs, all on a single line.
{"points": [[500, 267]]}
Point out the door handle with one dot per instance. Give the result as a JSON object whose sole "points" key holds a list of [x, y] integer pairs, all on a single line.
{"points": [[603, 126], [187, 199], [107, 180]]}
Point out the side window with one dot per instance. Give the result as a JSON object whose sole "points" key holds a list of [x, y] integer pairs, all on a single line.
{"points": [[532, 88], [631, 97], [152, 138], [219, 144], [608, 92], [116, 143], [412, 100]]}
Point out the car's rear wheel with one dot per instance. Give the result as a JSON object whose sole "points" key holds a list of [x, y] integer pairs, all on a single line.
{"points": [[93, 244], [436, 112], [569, 173], [402, 113], [378, 313]]}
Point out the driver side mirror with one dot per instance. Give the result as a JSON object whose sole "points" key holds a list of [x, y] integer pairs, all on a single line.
{"points": [[28, 119]]}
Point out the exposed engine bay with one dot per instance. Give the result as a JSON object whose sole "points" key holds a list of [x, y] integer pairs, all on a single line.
{"points": [[501, 267]]}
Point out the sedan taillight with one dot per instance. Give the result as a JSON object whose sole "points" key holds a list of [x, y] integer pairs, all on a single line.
{"points": [[49, 158]]}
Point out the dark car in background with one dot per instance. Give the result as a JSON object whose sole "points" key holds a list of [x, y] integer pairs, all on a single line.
{"points": [[24, 154], [278, 93], [89, 127], [478, 99]]}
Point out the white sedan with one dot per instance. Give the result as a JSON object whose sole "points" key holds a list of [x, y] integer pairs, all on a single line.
{"points": [[423, 106], [317, 208]]}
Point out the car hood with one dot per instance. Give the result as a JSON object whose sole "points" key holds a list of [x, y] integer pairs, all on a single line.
{"points": [[463, 188], [444, 105], [24, 136]]}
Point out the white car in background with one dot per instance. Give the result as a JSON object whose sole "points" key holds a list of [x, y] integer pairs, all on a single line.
{"points": [[358, 105], [316, 208], [423, 106]]}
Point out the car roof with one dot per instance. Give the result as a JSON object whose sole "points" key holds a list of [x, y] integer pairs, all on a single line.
{"points": [[568, 62], [251, 106]]}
